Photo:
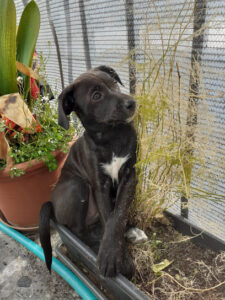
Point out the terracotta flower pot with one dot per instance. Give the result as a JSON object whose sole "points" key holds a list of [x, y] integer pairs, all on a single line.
{"points": [[21, 197]]}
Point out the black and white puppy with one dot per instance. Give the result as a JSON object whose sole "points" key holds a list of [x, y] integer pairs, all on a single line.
{"points": [[97, 182]]}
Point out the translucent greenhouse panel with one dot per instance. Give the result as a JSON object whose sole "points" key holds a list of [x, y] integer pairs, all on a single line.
{"points": [[107, 35], [66, 18], [163, 33], [160, 27], [19, 10], [207, 208], [46, 50]]}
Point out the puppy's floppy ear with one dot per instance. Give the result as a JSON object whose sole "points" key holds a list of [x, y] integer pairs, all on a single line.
{"points": [[111, 72], [66, 103]]}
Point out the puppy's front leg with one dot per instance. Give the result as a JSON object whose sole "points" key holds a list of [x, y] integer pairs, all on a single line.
{"points": [[111, 252], [103, 199]]}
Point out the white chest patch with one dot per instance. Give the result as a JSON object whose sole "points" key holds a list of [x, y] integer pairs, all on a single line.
{"points": [[112, 169]]}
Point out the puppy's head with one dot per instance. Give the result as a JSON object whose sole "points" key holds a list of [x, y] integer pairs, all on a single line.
{"points": [[96, 98]]}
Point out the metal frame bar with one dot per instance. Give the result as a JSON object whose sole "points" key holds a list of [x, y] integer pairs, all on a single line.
{"points": [[85, 34], [129, 9], [192, 117]]}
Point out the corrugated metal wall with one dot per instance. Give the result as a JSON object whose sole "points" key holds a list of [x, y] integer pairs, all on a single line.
{"points": [[89, 33]]}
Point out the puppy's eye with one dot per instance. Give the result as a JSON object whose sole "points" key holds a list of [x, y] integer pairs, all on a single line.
{"points": [[96, 96]]}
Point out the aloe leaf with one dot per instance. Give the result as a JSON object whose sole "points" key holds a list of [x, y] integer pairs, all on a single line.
{"points": [[8, 83], [28, 33], [27, 36]]}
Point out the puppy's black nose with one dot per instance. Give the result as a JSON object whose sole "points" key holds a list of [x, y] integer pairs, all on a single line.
{"points": [[130, 104]]}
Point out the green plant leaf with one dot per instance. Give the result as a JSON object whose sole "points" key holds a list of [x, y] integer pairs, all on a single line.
{"points": [[8, 83], [27, 37]]}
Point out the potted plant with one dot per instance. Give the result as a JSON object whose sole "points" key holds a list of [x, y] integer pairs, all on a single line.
{"points": [[32, 145]]}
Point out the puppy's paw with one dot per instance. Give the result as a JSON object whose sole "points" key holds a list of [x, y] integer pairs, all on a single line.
{"points": [[128, 269], [109, 261]]}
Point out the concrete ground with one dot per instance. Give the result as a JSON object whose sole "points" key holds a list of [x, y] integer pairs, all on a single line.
{"points": [[24, 276]]}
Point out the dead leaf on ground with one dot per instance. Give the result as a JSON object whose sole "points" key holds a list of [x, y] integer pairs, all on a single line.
{"points": [[161, 218], [156, 268]]}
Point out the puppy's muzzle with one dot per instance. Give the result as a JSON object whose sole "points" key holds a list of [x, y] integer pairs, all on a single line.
{"points": [[130, 105]]}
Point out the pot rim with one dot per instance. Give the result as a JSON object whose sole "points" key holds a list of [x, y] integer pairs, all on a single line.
{"points": [[17, 227], [28, 166], [33, 165]]}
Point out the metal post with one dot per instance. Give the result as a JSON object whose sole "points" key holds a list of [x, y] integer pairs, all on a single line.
{"points": [[131, 43], [56, 43], [192, 117], [69, 40], [85, 34]]}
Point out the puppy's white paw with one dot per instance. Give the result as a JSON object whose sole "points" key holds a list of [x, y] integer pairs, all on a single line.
{"points": [[135, 235]]}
